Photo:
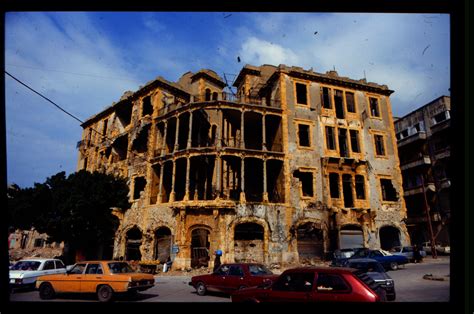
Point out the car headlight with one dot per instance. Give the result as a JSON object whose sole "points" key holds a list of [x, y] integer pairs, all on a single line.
{"points": [[389, 282]]}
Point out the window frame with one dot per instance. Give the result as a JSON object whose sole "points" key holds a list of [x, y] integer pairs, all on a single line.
{"points": [[306, 85], [379, 109], [326, 127], [384, 148]]}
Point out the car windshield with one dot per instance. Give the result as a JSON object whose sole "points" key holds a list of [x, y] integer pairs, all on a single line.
{"points": [[120, 267], [361, 253], [367, 266], [26, 265], [259, 270]]}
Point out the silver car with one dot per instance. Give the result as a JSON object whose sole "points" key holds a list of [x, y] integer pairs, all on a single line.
{"points": [[406, 251], [25, 272]]}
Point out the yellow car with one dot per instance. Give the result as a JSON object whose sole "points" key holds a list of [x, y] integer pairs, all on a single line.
{"points": [[105, 278]]}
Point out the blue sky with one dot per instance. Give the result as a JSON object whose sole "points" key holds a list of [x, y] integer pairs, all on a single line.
{"points": [[86, 60]]}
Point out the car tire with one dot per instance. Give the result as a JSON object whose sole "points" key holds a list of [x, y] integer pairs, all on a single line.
{"points": [[391, 297], [46, 291], [393, 266], [201, 288], [105, 293]]}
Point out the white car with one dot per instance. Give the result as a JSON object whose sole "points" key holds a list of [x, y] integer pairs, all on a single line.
{"points": [[25, 272], [440, 249]]}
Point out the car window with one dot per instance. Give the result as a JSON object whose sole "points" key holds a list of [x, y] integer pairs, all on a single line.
{"points": [[236, 270], [94, 269], [26, 265], [259, 270], [296, 282], [48, 265], [367, 266], [331, 283], [60, 264], [407, 249], [223, 270], [77, 269], [376, 253], [120, 268]]}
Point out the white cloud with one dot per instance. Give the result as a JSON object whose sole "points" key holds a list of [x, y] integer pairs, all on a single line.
{"points": [[257, 51]]}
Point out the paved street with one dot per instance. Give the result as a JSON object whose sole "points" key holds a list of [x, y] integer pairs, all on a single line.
{"points": [[409, 284]]}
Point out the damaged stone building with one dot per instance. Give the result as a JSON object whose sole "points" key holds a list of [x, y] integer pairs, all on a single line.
{"points": [[425, 160], [284, 167]]}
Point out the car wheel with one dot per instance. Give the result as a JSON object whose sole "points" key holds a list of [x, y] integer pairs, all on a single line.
{"points": [[391, 297], [46, 291], [382, 293], [105, 293], [393, 266], [201, 289]]}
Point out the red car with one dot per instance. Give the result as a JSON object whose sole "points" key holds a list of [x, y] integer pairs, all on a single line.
{"points": [[312, 284], [231, 277]]}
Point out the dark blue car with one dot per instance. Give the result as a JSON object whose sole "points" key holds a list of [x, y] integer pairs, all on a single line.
{"points": [[388, 261]]}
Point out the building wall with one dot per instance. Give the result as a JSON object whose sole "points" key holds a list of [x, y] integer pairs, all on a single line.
{"points": [[254, 222]]}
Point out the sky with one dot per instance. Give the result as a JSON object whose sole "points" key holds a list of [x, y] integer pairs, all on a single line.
{"points": [[84, 61]]}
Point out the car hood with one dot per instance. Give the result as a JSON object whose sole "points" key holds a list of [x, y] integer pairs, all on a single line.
{"points": [[378, 276]]}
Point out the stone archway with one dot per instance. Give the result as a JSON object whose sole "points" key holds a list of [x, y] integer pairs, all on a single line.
{"points": [[389, 237], [133, 241], [162, 247], [249, 242], [310, 242], [200, 244]]}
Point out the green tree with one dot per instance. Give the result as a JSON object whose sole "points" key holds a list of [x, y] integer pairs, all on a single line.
{"points": [[76, 209]]}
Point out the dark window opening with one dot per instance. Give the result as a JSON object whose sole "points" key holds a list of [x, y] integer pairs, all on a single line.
{"points": [[38, 243], [339, 104], [183, 131], [360, 187], [214, 96], [379, 145], [253, 179], [167, 177], [354, 134], [306, 179], [334, 185], [231, 132], [85, 163], [200, 132], [208, 95], [273, 136], [347, 190], [180, 179], [231, 177], [303, 135], [301, 94], [140, 183], [248, 231], [310, 241], [124, 114], [120, 147], [330, 141], [440, 117], [140, 144], [389, 237], [275, 181], [162, 244], [155, 183], [200, 179], [374, 107], [388, 190], [350, 103], [170, 135], [147, 106], [343, 148], [326, 98], [133, 243], [253, 130], [200, 248], [104, 129]]}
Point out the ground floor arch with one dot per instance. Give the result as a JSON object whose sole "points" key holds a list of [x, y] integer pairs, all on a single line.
{"points": [[200, 244], [162, 247], [249, 242], [351, 236], [389, 237], [310, 242], [133, 241]]}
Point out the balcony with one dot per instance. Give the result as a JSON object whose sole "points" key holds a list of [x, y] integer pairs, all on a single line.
{"points": [[443, 153], [422, 218], [419, 136], [414, 190], [420, 161], [440, 126]]}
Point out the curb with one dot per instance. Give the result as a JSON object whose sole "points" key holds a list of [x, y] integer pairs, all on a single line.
{"points": [[437, 278]]}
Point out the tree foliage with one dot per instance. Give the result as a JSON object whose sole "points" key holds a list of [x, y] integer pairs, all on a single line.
{"points": [[76, 209]]}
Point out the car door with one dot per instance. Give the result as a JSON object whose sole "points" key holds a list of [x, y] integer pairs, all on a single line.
{"points": [[331, 287], [235, 278], [48, 268], [290, 287], [92, 277], [70, 282], [60, 268], [217, 280]]}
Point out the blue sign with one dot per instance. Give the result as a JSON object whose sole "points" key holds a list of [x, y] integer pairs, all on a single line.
{"points": [[175, 249]]}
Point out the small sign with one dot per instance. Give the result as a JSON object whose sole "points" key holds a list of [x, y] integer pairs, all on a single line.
{"points": [[175, 249]]}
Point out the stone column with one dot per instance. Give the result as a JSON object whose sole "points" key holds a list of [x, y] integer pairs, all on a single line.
{"points": [[242, 180], [220, 125], [188, 146], [165, 134], [176, 143], [160, 186], [264, 144], [188, 165], [265, 192], [173, 179], [242, 134], [218, 176]]}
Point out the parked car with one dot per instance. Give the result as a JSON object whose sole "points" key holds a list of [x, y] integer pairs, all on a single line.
{"points": [[24, 273], [231, 277], [440, 249], [388, 260], [406, 251], [105, 278], [312, 284], [340, 256], [376, 272]]}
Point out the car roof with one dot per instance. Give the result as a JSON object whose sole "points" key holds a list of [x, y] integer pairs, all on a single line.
{"points": [[320, 269]]}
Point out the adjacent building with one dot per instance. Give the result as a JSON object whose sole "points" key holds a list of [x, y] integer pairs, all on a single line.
{"points": [[424, 148], [288, 167]]}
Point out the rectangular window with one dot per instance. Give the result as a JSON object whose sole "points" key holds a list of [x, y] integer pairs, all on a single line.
{"points": [[85, 163], [374, 107], [140, 183], [388, 191], [343, 148], [326, 98], [334, 185], [104, 130], [330, 141], [347, 190], [147, 107], [360, 187], [301, 95], [303, 135], [355, 147], [440, 117], [350, 103], [379, 145], [339, 103], [306, 179], [38, 243]]}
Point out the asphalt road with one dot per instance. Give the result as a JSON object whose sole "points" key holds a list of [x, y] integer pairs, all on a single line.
{"points": [[409, 284]]}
